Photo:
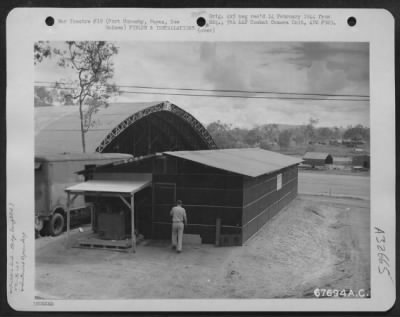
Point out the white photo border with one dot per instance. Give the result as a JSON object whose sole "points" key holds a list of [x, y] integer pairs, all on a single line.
{"points": [[26, 26]]}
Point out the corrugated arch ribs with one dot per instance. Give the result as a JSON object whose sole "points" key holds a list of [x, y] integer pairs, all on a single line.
{"points": [[198, 128]]}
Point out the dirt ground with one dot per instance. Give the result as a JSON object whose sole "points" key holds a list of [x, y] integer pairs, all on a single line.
{"points": [[313, 242]]}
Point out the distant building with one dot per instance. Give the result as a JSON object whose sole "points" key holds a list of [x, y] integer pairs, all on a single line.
{"points": [[361, 161], [335, 141], [317, 159], [353, 142]]}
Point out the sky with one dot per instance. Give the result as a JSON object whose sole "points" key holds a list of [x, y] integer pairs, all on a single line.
{"points": [[301, 67]]}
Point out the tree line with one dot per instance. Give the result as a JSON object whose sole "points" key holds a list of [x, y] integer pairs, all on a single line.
{"points": [[275, 136]]}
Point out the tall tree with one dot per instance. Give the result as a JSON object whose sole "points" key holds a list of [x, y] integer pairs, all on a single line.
{"points": [[253, 137], [358, 132], [285, 138], [310, 129], [324, 133], [221, 133], [43, 97], [92, 62]]}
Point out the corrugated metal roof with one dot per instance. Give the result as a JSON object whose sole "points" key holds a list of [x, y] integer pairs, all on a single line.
{"points": [[57, 129], [112, 186], [250, 162], [47, 157], [315, 156]]}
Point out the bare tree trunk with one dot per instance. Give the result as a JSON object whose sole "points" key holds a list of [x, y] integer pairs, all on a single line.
{"points": [[82, 128]]}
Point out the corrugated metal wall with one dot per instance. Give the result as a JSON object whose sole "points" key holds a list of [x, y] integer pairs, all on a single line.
{"points": [[262, 200], [244, 204], [207, 193]]}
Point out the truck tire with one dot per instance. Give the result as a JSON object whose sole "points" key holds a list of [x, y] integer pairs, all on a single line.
{"points": [[56, 224]]}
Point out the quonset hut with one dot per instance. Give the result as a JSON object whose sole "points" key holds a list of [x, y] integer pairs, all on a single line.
{"points": [[239, 188], [132, 128]]}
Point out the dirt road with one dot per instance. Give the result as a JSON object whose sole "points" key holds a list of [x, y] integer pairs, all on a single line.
{"points": [[313, 242], [335, 185]]}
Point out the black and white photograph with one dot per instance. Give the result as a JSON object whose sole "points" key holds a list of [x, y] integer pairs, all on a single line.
{"points": [[232, 170], [202, 169]]}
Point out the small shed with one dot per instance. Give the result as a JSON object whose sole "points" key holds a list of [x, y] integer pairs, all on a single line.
{"points": [[361, 161], [317, 159], [122, 190], [226, 193]]}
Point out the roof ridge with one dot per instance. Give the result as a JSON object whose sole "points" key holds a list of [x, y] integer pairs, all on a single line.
{"points": [[249, 165]]}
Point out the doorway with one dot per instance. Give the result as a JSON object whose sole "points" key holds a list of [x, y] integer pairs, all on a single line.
{"points": [[143, 212], [164, 198]]}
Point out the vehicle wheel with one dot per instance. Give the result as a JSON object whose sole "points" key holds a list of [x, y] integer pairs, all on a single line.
{"points": [[45, 230], [56, 224], [39, 224]]}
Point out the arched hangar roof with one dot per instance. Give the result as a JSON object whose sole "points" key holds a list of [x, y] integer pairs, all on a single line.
{"points": [[135, 128]]}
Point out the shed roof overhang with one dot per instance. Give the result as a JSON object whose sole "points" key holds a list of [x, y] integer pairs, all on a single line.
{"points": [[111, 187]]}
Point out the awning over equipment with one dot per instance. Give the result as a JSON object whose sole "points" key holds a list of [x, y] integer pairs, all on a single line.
{"points": [[110, 187]]}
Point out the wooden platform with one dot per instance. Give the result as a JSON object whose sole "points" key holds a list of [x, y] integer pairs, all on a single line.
{"points": [[95, 243]]}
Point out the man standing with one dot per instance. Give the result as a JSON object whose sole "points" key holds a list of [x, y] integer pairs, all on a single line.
{"points": [[179, 220]]}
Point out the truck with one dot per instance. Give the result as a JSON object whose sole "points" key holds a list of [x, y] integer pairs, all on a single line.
{"points": [[54, 173]]}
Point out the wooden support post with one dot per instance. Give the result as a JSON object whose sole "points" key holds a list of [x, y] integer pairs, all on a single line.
{"points": [[124, 201], [68, 218], [218, 231], [133, 237], [92, 215]]}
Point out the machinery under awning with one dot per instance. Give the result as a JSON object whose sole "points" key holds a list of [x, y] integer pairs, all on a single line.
{"points": [[110, 188]]}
